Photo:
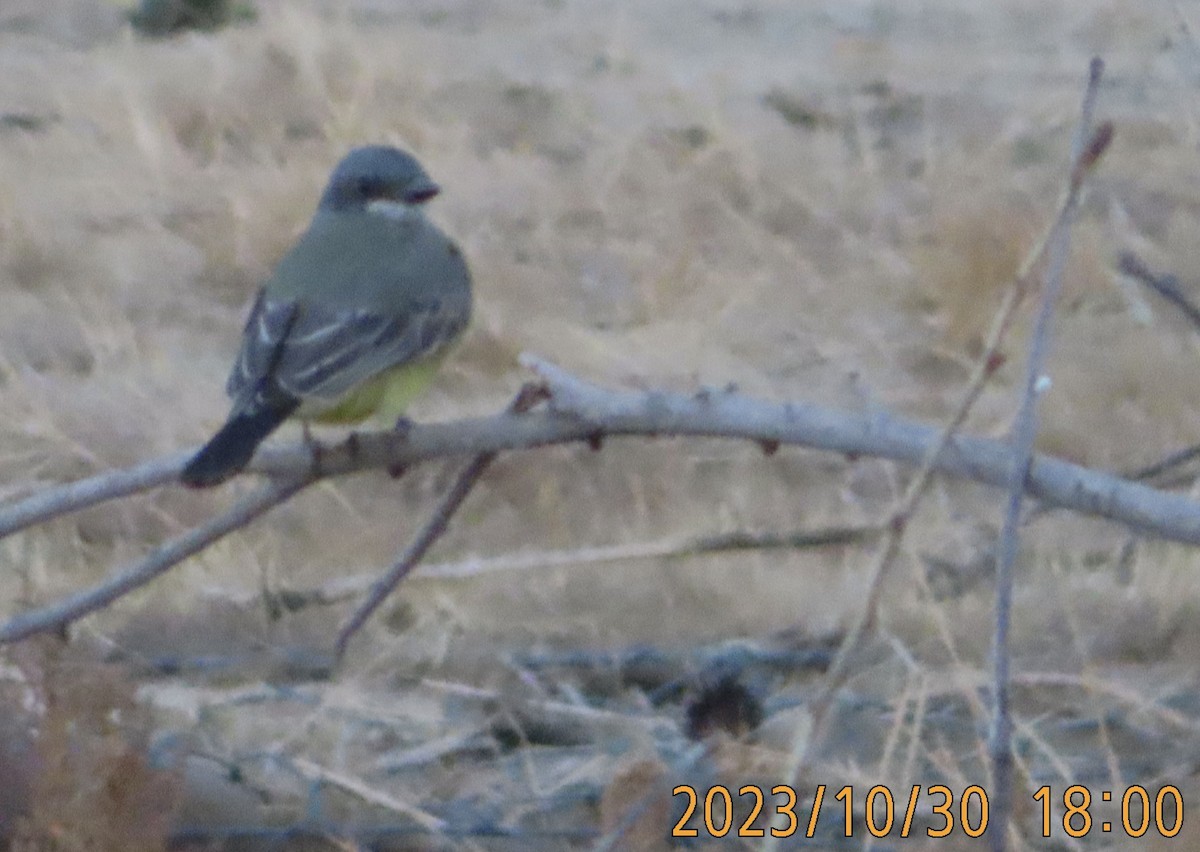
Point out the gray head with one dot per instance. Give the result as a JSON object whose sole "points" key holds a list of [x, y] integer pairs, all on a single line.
{"points": [[377, 173]]}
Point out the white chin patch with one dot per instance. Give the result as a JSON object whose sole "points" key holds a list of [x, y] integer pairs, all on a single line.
{"points": [[392, 209]]}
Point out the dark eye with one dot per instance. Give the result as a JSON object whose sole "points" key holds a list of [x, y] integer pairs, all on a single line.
{"points": [[369, 187]]}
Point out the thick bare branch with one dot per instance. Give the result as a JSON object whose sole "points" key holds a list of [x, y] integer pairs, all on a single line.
{"points": [[582, 412], [74, 496], [598, 411]]}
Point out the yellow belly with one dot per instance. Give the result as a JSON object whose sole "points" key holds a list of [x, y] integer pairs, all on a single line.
{"points": [[385, 396]]}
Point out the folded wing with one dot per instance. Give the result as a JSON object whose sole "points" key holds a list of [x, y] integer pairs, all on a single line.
{"points": [[311, 350]]}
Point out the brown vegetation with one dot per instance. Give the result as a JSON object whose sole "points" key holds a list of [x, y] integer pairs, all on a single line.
{"points": [[813, 202]]}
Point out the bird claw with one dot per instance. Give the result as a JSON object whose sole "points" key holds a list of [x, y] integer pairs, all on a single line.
{"points": [[315, 450], [403, 426]]}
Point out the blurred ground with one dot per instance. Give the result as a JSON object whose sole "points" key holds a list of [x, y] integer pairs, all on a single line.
{"points": [[816, 201]]}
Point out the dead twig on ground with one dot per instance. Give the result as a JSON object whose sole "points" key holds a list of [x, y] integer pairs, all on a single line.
{"points": [[367, 793]]}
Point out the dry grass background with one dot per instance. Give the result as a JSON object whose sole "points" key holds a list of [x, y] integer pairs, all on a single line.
{"points": [[813, 200]]}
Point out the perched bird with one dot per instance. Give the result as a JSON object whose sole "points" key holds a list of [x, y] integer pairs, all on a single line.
{"points": [[355, 319]]}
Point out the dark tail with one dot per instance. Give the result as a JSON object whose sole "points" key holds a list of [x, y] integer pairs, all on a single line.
{"points": [[231, 449]]}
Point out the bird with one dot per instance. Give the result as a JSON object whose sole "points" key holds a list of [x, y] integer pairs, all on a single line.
{"points": [[355, 319]]}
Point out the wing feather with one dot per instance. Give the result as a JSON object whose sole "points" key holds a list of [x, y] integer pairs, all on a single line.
{"points": [[267, 327], [311, 350]]}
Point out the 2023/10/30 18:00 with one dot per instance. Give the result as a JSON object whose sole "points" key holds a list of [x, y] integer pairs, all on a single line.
{"points": [[712, 811]]}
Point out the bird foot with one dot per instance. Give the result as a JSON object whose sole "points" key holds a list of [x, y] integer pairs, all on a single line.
{"points": [[403, 426], [315, 449]]}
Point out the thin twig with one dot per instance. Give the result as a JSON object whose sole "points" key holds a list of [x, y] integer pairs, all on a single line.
{"points": [[703, 545], [342, 589], [1089, 146], [434, 528], [1169, 288], [406, 561], [1166, 286], [1155, 471], [59, 615]]}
